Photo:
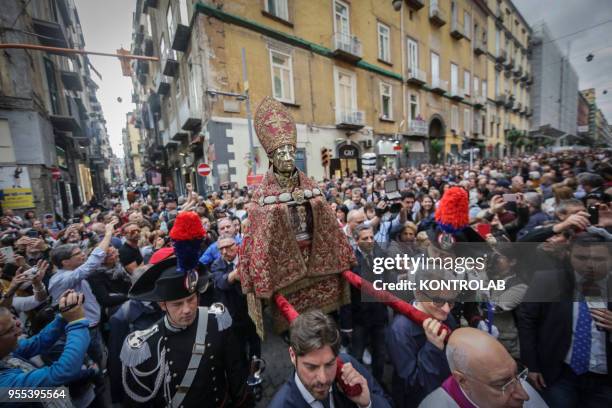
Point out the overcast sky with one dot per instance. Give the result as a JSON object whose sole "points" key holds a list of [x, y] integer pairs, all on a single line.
{"points": [[107, 26], [565, 17]]}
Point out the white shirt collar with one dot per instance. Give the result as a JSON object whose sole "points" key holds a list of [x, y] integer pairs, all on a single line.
{"points": [[310, 400]]}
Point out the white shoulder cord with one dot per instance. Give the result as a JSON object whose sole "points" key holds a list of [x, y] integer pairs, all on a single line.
{"points": [[161, 366]]}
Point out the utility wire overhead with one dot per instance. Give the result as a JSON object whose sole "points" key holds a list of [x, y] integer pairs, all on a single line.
{"points": [[578, 32]]}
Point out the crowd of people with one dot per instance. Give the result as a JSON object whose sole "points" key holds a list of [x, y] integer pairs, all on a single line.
{"points": [[65, 312]]}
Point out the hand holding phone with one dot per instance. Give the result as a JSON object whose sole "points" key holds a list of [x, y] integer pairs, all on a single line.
{"points": [[510, 198], [8, 253]]}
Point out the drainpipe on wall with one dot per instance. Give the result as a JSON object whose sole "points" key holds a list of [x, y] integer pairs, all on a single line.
{"points": [[403, 65]]}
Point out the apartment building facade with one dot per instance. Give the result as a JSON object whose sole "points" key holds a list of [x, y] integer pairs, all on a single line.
{"points": [[133, 148], [53, 134], [598, 128], [554, 93], [362, 79]]}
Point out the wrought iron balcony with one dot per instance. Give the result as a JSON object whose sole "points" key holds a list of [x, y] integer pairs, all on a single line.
{"points": [[480, 47], [500, 99], [439, 86], [479, 101], [162, 84], [169, 64], [347, 47], [415, 4], [180, 35], [50, 33], [189, 117], [457, 94], [348, 119], [416, 76], [457, 30], [71, 80], [436, 15]]}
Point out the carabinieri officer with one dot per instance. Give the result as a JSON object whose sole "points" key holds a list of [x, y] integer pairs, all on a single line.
{"points": [[188, 358]]}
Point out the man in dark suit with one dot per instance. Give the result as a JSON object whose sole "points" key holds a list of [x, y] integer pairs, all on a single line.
{"points": [[227, 285], [314, 349], [364, 320], [564, 331]]}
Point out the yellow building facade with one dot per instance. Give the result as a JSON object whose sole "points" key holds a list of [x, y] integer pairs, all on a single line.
{"points": [[369, 79]]}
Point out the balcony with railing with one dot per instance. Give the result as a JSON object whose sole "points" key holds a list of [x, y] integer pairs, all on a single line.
{"points": [[70, 121], [436, 15], [189, 118], [516, 107], [350, 119], [509, 102], [457, 93], [480, 47], [347, 47], [169, 64], [525, 76], [500, 98], [71, 79], [518, 72], [509, 63], [151, 3], [501, 55], [479, 101], [416, 76], [499, 15], [415, 4], [174, 129], [50, 33], [439, 86], [149, 49], [456, 30], [180, 32], [162, 84], [417, 127]]}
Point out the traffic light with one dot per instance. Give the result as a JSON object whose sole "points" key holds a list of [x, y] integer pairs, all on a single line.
{"points": [[325, 156]]}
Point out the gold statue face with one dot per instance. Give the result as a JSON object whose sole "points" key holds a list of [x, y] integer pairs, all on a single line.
{"points": [[283, 159]]}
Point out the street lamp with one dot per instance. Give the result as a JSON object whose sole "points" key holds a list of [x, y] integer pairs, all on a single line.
{"points": [[397, 4]]}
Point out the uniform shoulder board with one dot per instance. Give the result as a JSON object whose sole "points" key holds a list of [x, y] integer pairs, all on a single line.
{"points": [[135, 349], [224, 320]]}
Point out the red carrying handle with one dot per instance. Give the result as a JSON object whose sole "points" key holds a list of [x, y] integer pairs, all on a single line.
{"points": [[392, 301], [289, 312]]}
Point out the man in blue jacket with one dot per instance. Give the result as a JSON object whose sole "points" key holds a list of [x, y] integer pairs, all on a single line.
{"points": [[417, 351], [212, 253], [15, 369], [314, 349]]}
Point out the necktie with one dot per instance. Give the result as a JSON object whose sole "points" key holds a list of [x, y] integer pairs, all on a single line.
{"points": [[581, 350]]}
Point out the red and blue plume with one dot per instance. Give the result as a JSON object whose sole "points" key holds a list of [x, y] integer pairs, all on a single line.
{"points": [[187, 234], [452, 214]]}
